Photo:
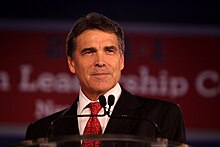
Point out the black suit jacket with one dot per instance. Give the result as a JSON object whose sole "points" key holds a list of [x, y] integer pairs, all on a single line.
{"points": [[166, 115]]}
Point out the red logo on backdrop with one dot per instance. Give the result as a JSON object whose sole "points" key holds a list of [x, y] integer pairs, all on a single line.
{"points": [[35, 80]]}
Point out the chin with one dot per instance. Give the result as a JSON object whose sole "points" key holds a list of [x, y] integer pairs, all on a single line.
{"points": [[104, 89]]}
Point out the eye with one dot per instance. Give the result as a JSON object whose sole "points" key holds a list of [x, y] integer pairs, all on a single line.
{"points": [[110, 49], [88, 51]]}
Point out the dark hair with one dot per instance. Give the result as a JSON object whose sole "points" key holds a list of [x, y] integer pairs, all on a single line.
{"points": [[93, 21]]}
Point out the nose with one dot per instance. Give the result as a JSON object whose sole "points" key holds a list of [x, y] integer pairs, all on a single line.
{"points": [[99, 60]]}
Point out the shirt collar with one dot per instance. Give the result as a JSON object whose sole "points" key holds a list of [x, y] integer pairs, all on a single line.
{"points": [[84, 101]]}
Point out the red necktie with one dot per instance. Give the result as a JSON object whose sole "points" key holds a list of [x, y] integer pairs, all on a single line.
{"points": [[93, 126]]}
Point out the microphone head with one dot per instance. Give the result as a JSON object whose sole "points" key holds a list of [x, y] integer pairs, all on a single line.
{"points": [[111, 100], [102, 100]]}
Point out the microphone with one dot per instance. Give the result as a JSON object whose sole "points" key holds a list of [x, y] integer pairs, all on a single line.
{"points": [[102, 101], [111, 100]]}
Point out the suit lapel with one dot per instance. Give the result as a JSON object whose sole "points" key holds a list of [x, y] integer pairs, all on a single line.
{"points": [[68, 123], [128, 105]]}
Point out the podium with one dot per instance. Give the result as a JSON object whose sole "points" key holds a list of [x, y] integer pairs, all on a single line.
{"points": [[107, 140]]}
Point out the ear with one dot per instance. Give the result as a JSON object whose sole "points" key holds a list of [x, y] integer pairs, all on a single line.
{"points": [[122, 61], [71, 65]]}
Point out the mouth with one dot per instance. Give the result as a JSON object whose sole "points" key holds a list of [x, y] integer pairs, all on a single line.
{"points": [[100, 74]]}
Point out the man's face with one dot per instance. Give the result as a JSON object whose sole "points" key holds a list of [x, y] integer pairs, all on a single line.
{"points": [[97, 62]]}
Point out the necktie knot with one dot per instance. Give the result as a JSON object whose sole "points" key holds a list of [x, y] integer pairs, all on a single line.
{"points": [[95, 107]]}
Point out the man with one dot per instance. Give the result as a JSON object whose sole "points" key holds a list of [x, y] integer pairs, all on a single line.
{"points": [[95, 54]]}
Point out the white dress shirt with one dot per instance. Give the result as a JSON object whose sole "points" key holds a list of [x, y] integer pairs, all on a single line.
{"points": [[84, 101]]}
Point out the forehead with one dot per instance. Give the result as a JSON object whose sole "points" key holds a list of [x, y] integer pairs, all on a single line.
{"points": [[95, 36]]}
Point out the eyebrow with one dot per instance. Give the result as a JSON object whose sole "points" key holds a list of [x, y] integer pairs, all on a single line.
{"points": [[110, 47], [93, 49]]}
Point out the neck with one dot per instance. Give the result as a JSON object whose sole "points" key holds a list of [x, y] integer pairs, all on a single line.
{"points": [[93, 96]]}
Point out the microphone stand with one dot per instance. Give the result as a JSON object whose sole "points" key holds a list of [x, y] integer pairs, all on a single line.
{"points": [[102, 101]]}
